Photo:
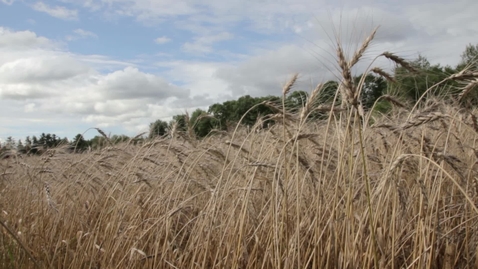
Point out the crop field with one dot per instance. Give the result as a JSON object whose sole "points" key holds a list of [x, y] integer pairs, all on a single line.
{"points": [[353, 189]]}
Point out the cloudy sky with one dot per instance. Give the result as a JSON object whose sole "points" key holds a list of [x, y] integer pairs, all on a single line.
{"points": [[68, 65]]}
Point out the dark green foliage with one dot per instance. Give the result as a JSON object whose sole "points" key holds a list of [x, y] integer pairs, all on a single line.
{"points": [[202, 122], [469, 57], [49, 140], [413, 85], [116, 139], [246, 107], [79, 143], [181, 121], [158, 128], [373, 87], [296, 100], [98, 142]]}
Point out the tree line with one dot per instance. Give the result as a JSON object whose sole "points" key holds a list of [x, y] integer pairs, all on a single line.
{"points": [[408, 83]]}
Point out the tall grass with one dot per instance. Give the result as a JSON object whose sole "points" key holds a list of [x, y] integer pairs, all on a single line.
{"points": [[333, 193]]}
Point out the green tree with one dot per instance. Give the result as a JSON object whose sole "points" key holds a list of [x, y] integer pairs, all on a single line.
{"points": [[10, 143], [35, 147], [20, 147], [222, 112], [413, 85], [158, 128], [115, 139], [329, 92], [181, 122], [372, 89], [296, 100], [98, 142], [28, 144], [79, 143], [469, 57], [202, 122], [231, 112]]}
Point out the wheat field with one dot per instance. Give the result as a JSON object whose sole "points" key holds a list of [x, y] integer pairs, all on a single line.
{"points": [[355, 190]]}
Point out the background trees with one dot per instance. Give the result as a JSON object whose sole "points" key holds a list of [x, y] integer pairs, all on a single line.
{"points": [[410, 85], [157, 128]]}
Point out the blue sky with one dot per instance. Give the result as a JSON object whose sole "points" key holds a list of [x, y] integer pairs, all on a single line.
{"points": [[67, 66]]}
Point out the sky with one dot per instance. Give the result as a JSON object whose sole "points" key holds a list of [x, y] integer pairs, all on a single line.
{"points": [[69, 65]]}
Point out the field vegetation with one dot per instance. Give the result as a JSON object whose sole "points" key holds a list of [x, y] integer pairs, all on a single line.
{"points": [[332, 184]]}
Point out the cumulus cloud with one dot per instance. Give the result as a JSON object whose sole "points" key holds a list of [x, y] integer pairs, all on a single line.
{"points": [[22, 40], [56, 11], [131, 83], [275, 39], [41, 69], [263, 74], [201, 78], [53, 85]]}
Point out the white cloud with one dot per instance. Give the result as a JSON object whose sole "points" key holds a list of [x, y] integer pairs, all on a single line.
{"points": [[263, 74], [147, 10], [272, 40], [84, 33], [131, 83], [93, 5], [56, 11], [8, 2], [38, 81], [204, 44], [200, 77], [22, 40], [162, 40], [81, 34], [41, 69]]}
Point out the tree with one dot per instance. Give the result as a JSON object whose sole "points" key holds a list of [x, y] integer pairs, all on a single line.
{"points": [[469, 57], [413, 85], [181, 122], [115, 139], [296, 100], [158, 128], [202, 122], [79, 143], [28, 144], [21, 147], [10, 143], [329, 92], [222, 112], [98, 142], [35, 147], [373, 87]]}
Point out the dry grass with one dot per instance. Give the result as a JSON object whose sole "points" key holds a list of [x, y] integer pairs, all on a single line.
{"points": [[399, 194], [225, 202]]}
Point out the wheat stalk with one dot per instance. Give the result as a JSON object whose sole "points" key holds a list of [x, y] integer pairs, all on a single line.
{"points": [[467, 89], [399, 61], [382, 73], [288, 86], [359, 53], [347, 86], [310, 102], [104, 135], [393, 100]]}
